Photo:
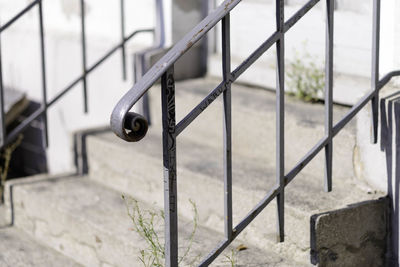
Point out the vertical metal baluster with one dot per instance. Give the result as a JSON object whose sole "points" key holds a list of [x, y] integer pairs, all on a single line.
{"points": [[44, 83], [159, 40], [159, 32], [146, 108], [375, 69], [280, 119], [214, 35], [2, 118], [122, 10], [330, 6], [169, 159], [146, 97], [383, 124], [84, 64], [226, 70]]}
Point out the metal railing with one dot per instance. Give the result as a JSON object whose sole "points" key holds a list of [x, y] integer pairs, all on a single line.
{"points": [[158, 31], [132, 127]]}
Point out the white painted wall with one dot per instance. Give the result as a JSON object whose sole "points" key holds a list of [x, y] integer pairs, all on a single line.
{"points": [[372, 160], [21, 61]]}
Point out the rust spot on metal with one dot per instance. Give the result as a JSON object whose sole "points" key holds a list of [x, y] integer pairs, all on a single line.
{"points": [[191, 42], [228, 4], [194, 36]]}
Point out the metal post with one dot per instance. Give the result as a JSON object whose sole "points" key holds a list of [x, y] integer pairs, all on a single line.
{"points": [[169, 159], [2, 118], [123, 50], [375, 69], [280, 118], [226, 70], [330, 6], [214, 36], [44, 83], [84, 63], [146, 97], [139, 69], [159, 34], [159, 41]]}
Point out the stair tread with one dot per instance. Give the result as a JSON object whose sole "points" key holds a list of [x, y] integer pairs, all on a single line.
{"points": [[89, 222], [17, 249]]}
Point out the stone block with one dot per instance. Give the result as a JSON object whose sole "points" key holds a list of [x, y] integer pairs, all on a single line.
{"points": [[353, 236]]}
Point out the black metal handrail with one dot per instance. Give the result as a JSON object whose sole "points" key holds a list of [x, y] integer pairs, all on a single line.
{"points": [[158, 31], [132, 127]]}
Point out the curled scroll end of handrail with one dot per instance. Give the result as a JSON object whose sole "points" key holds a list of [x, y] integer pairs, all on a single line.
{"points": [[137, 126], [130, 126]]}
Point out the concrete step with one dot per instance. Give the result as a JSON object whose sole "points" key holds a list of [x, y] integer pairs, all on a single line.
{"points": [[137, 168], [89, 222], [306, 40], [17, 249], [348, 88], [255, 109]]}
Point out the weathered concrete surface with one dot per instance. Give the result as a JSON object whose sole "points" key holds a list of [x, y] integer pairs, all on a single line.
{"points": [[137, 167], [17, 249], [138, 170], [89, 222], [353, 236], [83, 218]]}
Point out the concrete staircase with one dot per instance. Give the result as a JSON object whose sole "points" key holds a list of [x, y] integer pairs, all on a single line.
{"points": [[85, 218]]}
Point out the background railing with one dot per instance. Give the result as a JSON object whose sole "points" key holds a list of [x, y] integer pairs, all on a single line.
{"points": [[128, 126], [158, 31]]}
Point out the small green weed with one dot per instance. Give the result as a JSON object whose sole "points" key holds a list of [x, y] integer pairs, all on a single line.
{"points": [[145, 222], [5, 157], [232, 258], [305, 78]]}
